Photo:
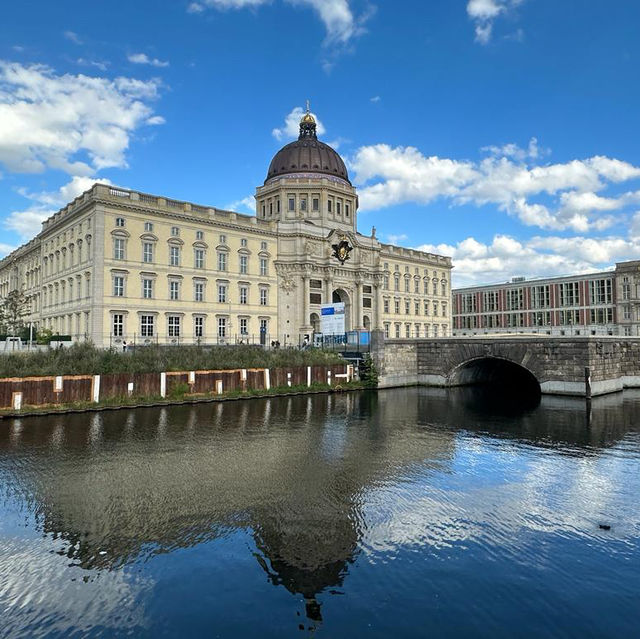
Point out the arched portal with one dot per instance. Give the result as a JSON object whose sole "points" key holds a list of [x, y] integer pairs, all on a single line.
{"points": [[503, 375], [340, 295]]}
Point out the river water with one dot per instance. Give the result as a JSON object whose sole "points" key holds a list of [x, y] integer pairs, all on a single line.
{"points": [[402, 513]]}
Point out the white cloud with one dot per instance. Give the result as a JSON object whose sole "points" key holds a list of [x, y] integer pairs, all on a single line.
{"points": [[291, 128], [247, 203], [93, 63], [375, 98], [73, 37], [143, 58], [506, 257], [484, 12], [27, 223], [550, 196], [75, 123], [337, 16]]}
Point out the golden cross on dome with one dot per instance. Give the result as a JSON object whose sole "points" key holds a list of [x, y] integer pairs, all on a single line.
{"points": [[308, 106]]}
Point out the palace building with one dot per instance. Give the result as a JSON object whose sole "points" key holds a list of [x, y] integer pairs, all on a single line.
{"points": [[117, 265]]}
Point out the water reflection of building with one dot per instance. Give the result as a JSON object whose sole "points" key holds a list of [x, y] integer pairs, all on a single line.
{"points": [[292, 471], [295, 472]]}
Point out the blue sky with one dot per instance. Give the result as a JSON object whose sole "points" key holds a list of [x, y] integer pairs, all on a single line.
{"points": [[500, 132]]}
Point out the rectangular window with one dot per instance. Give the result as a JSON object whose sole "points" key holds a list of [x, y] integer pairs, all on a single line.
{"points": [[397, 331], [600, 291], [416, 286], [222, 261], [303, 204], [146, 325], [243, 242], [244, 329], [198, 291], [406, 286], [386, 331], [386, 283], [444, 288], [346, 210], [540, 296], [292, 204], [118, 286], [243, 264], [174, 256], [243, 294], [263, 246], [396, 283], [198, 258], [222, 293], [118, 325], [222, 239], [174, 326], [329, 206], [148, 227], [199, 235], [119, 222], [222, 327], [264, 300], [174, 290], [396, 305], [407, 330], [147, 289], [386, 306], [315, 204], [198, 327], [263, 266], [569, 294], [118, 248], [407, 307], [147, 252], [175, 231], [338, 211], [416, 308]]}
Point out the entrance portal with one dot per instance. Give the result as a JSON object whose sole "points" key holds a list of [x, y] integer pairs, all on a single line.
{"points": [[340, 295]]}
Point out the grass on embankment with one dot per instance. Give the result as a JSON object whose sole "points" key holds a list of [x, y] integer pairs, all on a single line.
{"points": [[85, 359]]}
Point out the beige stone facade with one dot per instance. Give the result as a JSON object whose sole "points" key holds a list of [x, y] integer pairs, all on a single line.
{"points": [[117, 266]]}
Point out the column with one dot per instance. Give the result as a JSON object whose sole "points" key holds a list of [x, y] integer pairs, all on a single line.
{"points": [[306, 323], [357, 306], [328, 290], [379, 306]]}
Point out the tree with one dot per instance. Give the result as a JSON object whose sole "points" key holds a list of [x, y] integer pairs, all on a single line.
{"points": [[13, 308]]}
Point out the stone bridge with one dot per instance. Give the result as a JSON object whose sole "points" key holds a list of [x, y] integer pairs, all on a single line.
{"points": [[583, 366]]}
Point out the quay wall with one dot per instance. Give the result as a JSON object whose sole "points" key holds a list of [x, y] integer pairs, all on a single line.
{"points": [[19, 392]]}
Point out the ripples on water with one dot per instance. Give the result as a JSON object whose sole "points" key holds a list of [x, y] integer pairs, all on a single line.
{"points": [[416, 512]]}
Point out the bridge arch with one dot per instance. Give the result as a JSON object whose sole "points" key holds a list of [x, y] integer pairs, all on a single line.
{"points": [[499, 372]]}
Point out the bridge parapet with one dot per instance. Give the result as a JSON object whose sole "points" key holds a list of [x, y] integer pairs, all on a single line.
{"points": [[557, 363]]}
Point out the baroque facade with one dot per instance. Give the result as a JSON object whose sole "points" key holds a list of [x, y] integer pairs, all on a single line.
{"points": [[117, 265]]}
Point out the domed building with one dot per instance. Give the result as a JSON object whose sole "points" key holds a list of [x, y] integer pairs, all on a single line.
{"points": [[308, 196], [119, 266]]}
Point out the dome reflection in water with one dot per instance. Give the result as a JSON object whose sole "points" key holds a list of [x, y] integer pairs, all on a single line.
{"points": [[397, 513]]}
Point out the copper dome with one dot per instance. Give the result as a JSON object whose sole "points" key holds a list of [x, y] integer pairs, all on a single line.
{"points": [[307, 155]]}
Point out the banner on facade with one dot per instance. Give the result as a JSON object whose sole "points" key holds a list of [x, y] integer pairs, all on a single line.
{"points": [[332, 318]]}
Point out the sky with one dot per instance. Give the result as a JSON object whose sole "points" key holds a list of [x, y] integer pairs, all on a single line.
{"points": [[500, 132]]}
